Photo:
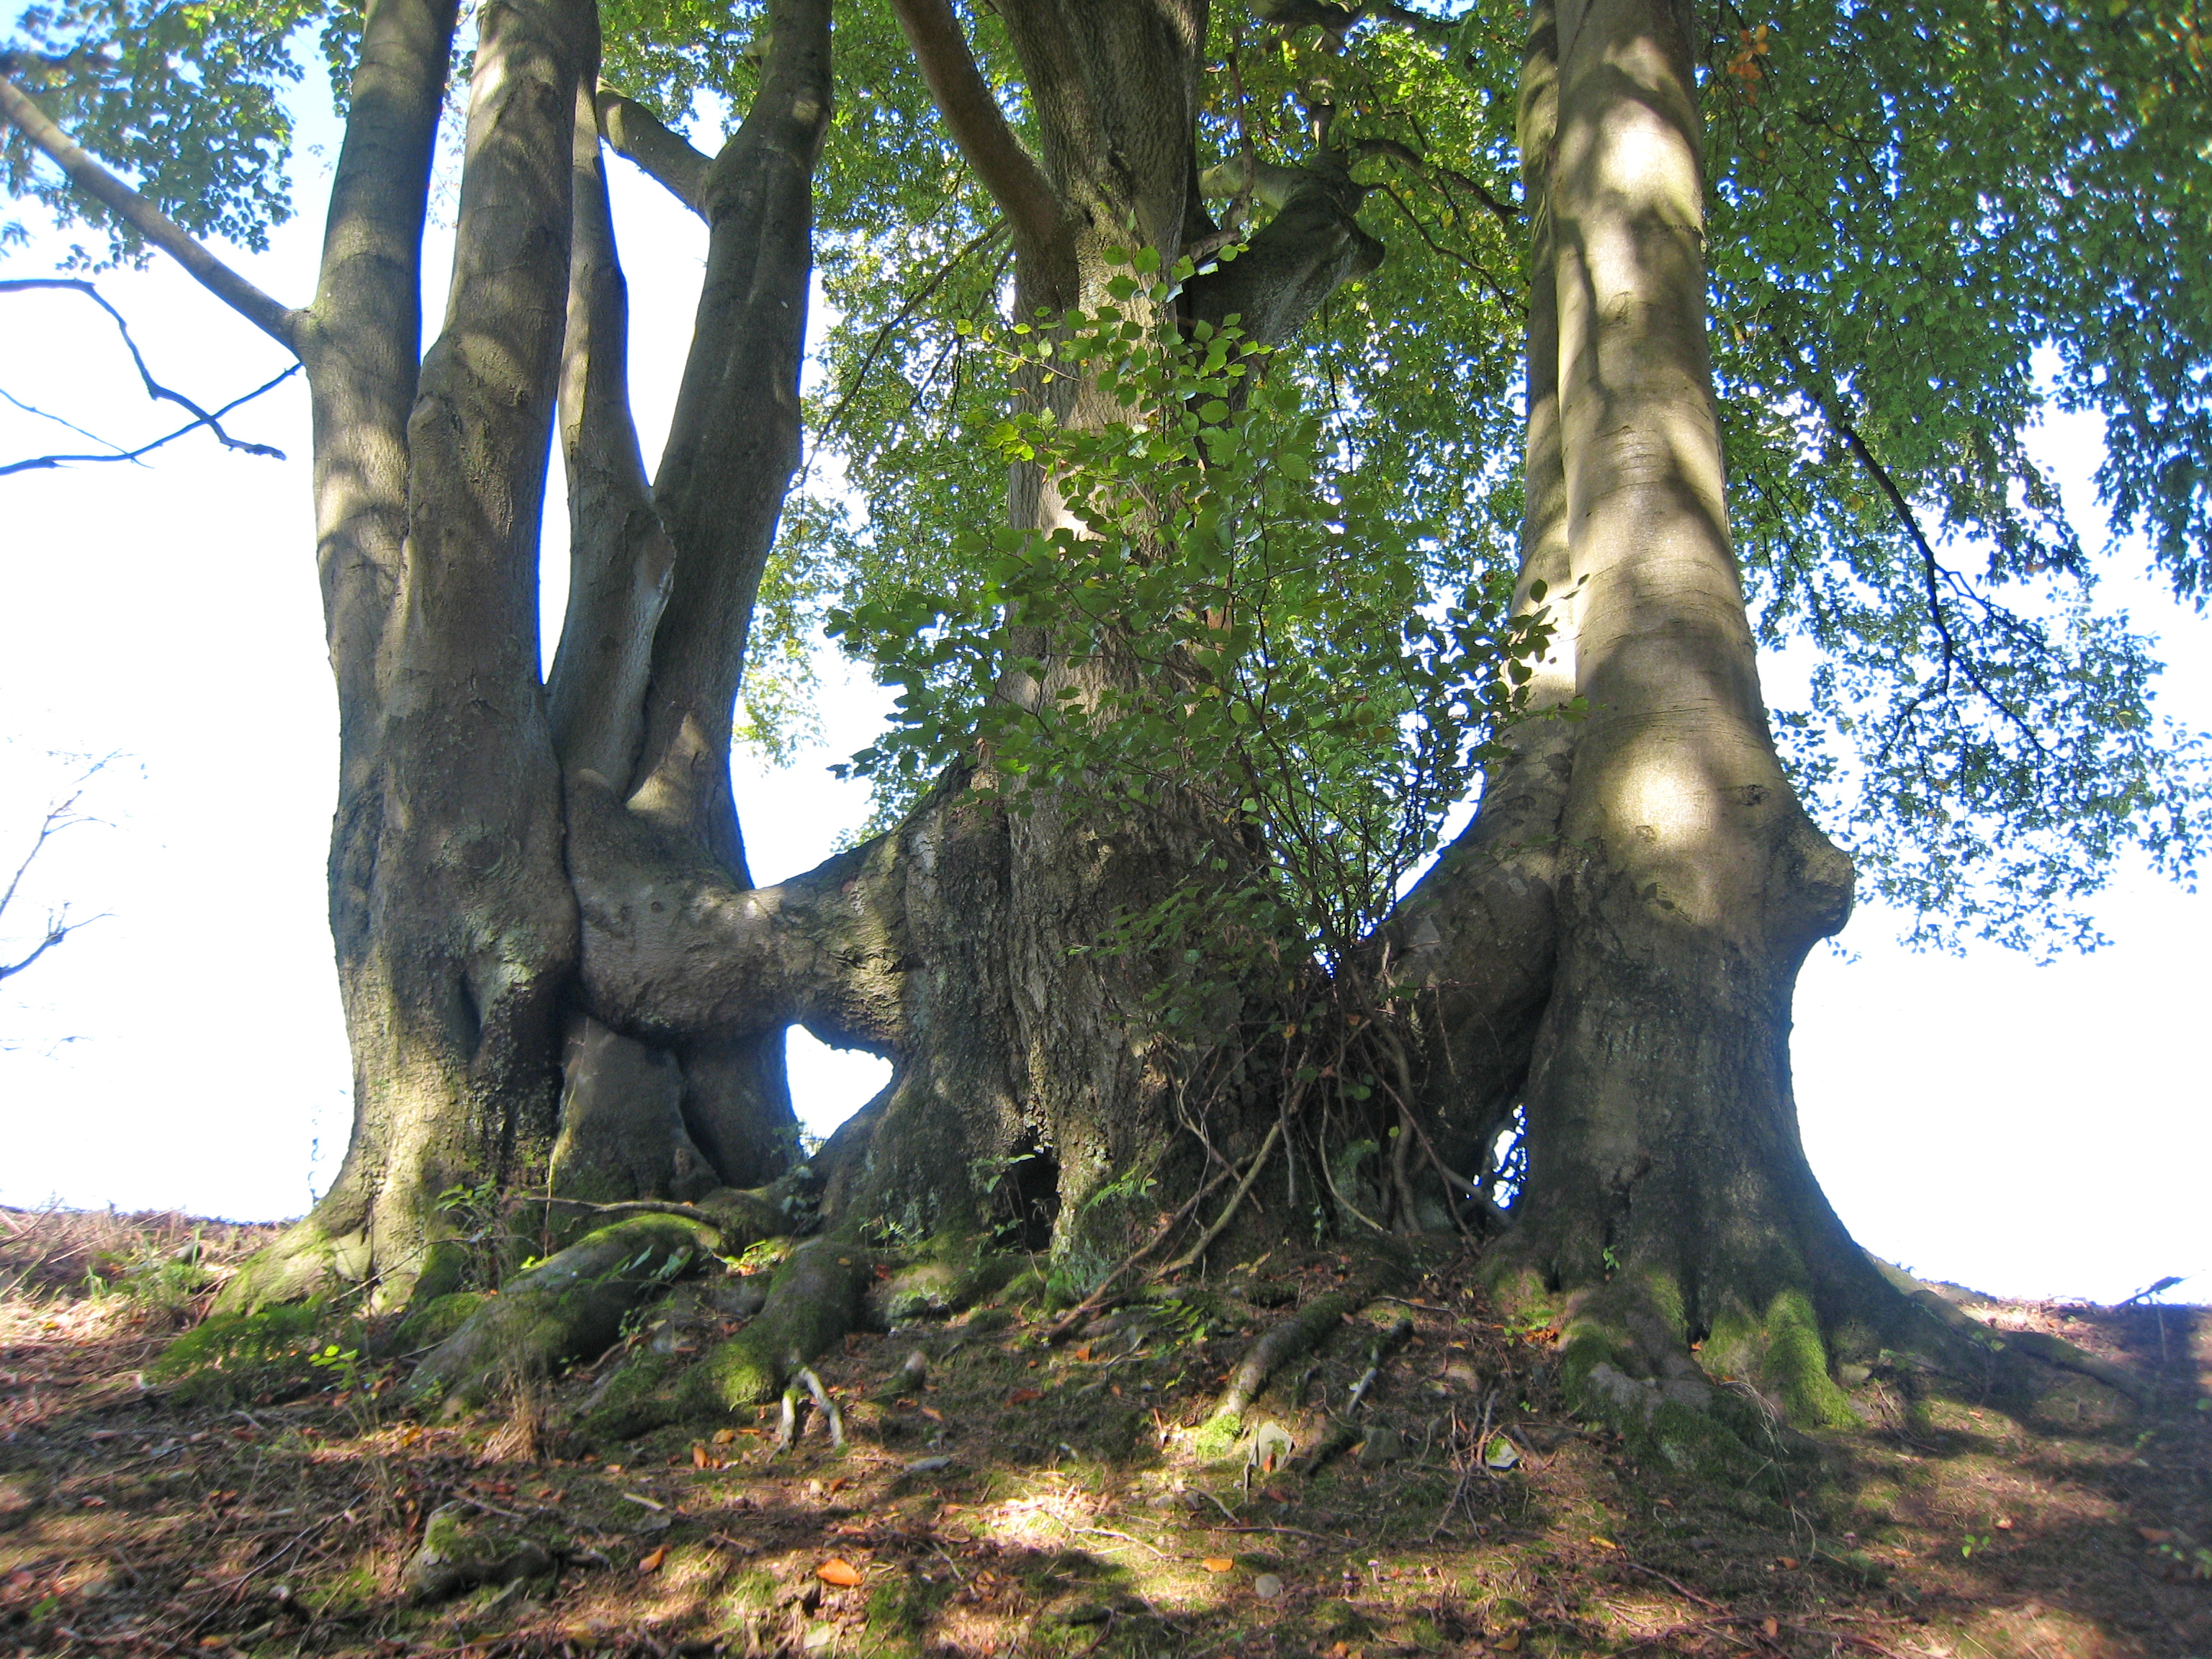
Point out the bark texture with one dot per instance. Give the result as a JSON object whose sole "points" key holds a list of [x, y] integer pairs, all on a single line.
{"points": [[1667, 1195]]}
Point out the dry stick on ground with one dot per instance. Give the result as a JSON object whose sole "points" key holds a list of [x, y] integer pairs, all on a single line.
{"points": [[1190, 1256], [1103, 1292], [1346, 1430]]}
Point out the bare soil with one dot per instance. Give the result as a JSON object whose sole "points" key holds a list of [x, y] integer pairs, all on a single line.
{"points": [[1008, 1498]]}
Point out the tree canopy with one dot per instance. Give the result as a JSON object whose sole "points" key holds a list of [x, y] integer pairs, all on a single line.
{"points": [[1929, 225]]}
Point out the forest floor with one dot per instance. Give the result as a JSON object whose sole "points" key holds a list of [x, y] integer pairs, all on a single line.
{"points": [[1007, 1498]]}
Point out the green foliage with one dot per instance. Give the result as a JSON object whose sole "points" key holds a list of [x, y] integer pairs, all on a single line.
{"points": [[1927, 228], [1231, 628], [185, 100]]}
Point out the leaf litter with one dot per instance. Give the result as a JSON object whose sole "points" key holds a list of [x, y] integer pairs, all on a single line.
{"points": [[1024, 1508]]}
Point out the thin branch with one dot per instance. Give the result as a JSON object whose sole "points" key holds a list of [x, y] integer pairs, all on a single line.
{"points": [[1406, 156], [978, 125], [664, 156], [60, 816], [1422, 231], [914, 302], [212, 421], [278, 321], [47, 414], [1931, 573], [155, 389]]}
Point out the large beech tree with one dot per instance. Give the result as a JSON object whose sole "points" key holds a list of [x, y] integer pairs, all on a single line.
{"points": [[1654, 332]]}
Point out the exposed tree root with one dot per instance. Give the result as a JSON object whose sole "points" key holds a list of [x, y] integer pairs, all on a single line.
{"points": [[786, 1433], [2035, 1344], [1344, 1428], [1284, 1342], [564, 1308], [1304, 1330], [814, 1300]]}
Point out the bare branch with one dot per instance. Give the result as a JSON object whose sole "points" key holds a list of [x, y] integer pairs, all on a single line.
{"points": [[200, 417], [279, 322], [1407, 157], [666, 157], [972, 114], [60, 816], [1931, 573]]}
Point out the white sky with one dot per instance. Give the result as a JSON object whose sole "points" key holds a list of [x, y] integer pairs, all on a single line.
{"points": [[2028, 1130]]}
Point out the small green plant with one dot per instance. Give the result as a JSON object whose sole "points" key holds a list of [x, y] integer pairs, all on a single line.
{"points": [[1975, 1541], [2195, 1560], [344, 1362]]}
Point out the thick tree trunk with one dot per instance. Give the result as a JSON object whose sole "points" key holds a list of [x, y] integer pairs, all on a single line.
{"points": [[1475, 941], [1668, 1199], [455, 925]]}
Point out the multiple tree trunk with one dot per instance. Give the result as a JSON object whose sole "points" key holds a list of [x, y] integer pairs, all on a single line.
{"points": [[557, 973]]}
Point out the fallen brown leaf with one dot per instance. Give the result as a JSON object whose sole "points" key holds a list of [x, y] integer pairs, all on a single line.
{"points": [[839, 1571], [1218, 1563], [1770, 1627], [652, 1563], [1022, 1397]]}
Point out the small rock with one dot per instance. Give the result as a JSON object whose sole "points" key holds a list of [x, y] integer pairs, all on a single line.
{"points": [[1266, 1587], [928, 1465], [461, 1549]]}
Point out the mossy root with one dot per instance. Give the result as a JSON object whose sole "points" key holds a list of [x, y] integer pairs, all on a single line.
{"points": [[567, 1307], [813, 1301]]}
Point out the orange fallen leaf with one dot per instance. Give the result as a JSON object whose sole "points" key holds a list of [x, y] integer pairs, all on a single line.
{"points": [[1218, 1564], [698, 1457], [933, 1413], [1603, 1543], [1787, 1563], [724, 1437], [1022, 1397], [839, 1571], [1770, 1627], [1084, 1352], [652, 1563], [2004, 1523]]}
